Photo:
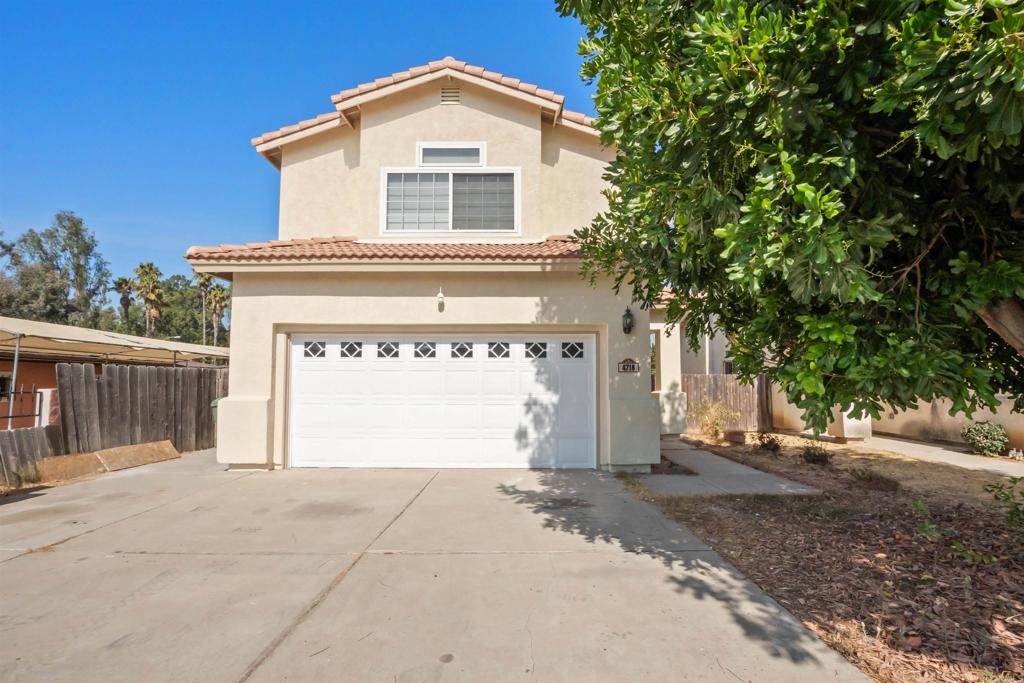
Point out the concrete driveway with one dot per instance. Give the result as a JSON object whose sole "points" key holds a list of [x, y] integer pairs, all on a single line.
{"points": [[181, 571]]}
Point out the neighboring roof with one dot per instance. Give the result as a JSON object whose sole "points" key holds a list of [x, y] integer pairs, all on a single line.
{"points": [[41, 340], [328, 249], [382, 87]]}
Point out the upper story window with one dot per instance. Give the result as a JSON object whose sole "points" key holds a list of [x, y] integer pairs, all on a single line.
{"points": [[451, 189]]}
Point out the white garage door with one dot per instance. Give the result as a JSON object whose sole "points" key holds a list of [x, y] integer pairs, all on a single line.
{"points": [[494, 400]]}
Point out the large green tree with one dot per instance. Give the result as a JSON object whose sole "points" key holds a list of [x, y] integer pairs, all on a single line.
{"points": [[56, 274], [835, 184]]}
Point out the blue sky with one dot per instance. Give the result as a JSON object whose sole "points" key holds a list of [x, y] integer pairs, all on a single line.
{"points": [[138, 115]]}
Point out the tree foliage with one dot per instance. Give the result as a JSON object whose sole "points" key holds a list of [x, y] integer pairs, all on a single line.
{"points": [[834, 184], [56, 274]]}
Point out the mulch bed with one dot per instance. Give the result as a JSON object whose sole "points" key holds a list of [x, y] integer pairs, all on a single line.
{"points": [[876, 577], [666, 466]]}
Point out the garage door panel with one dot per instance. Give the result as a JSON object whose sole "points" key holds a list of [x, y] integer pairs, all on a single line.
{"points": [[527, 407], [462, 381], [499, 381]]}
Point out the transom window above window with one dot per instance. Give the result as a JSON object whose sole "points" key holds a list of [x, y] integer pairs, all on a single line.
{"points": [[351, 349], [451, 153], [314, 349], [462, 350], [572, 349], [424, 350], [387, 350], [536, 350], [497, 350]]}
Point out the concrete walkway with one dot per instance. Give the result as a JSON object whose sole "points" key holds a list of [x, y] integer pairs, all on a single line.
{"points": [[180, 571], [942, 453], [716, 476]]}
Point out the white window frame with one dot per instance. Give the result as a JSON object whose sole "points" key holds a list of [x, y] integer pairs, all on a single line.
{"points": [[481, 146], [516, 189]]}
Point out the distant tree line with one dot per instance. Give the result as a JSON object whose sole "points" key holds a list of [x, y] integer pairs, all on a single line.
{"points": [[58, 275]]}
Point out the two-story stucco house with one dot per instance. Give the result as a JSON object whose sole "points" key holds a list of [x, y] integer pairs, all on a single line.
{"points": [[423, 307]]}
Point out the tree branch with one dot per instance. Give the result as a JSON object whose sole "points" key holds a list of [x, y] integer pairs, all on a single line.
{"points": [[1006, 318]]}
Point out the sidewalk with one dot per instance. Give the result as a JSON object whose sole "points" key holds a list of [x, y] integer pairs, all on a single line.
{"points": [[715, 476], [941, 453]]}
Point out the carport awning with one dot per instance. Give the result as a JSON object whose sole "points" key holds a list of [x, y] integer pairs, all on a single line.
{"points": [[48, 340]]}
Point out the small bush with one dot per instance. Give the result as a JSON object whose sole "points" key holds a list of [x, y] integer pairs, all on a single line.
{"points": [[816, 455], [986, 438], [714, 418], [870, 479], [1010, 497], [769, 442]]}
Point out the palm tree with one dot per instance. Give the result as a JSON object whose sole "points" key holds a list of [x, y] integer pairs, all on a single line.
{"points": [[203, 282], [124, 286], [220, 299], [147, 284]]}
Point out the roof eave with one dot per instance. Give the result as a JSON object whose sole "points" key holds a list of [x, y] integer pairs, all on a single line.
{"points": [[224, 268]]}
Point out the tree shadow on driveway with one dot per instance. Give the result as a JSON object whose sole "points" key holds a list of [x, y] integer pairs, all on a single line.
{"points": [[596, 507]]}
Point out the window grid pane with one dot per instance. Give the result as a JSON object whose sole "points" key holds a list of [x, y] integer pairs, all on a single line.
{"points": [[424, 350], [351, 349], [314, 349], [387, 350], [536, 350], [572, 349], [483, 201], [462, 350], [497, 350], [417, 201]]}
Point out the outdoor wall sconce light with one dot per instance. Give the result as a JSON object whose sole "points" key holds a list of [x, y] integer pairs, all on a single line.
{"points": [[440, 300], [627, 321]]}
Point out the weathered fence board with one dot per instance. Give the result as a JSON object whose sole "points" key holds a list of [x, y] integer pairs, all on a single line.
{"points": [[21, 449], [134, 404], [748, 400]]}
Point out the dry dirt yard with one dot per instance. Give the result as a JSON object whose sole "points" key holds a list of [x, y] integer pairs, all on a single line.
{"points": [[906, 568]]}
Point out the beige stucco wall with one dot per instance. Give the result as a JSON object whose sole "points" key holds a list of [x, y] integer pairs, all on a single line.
{"points": [[669, 394], [267, 307], [932, 421], [331, 182]]}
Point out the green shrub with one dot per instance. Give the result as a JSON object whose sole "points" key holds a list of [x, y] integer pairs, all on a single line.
{"points": [[986, 438], [769, 442], [1011, 498], [816, 455]]}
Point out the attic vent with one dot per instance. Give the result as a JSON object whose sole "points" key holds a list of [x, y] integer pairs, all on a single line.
{"points": [[451, 95]]}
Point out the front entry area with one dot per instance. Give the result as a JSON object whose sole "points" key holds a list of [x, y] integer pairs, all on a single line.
{"points": [[442, 400]]}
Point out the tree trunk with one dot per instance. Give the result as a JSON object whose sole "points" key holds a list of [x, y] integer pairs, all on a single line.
{"points": [[203, 294], [216, 327], [1006, 318]]}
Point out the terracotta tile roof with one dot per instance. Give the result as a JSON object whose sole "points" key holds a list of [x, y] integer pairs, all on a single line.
{"points": [[348, 249], [423, 70], [296, 127], [455, 65]]}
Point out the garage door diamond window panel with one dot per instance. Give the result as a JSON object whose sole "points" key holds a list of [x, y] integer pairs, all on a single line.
{"points": [[442, 401]]}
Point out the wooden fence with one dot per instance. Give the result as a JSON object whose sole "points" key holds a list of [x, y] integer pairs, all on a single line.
{"points": [[22, 448], [126, 405], [751, 401], [133, 404]]}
